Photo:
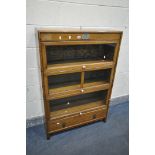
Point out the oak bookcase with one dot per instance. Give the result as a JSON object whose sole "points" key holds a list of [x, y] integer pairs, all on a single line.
{"points": [[78, 70]]}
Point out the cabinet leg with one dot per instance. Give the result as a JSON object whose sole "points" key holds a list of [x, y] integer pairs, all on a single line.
{"points": [[48, 136], [104, 120]]}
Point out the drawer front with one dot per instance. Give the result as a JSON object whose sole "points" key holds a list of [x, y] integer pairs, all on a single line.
{"points": [[97, 66], [71, 92], [79, 119], [78, 36]]}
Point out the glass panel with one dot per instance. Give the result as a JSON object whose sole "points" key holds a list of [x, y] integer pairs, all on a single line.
{"points": [[62, 80], [73, 53], [98, 75], [84, 99]]}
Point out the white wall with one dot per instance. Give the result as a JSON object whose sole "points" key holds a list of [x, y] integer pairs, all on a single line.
{"points": [[92, 14]]}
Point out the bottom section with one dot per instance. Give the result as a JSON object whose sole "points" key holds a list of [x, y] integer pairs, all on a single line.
{"points": [[30, 122], [55, 125], [76, 104]]}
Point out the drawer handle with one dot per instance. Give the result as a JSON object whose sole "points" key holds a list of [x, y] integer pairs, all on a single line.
{"points": [[59, 37], [84, 67], [68, 103], [70, 37], [81, 113], [58, 123], [94, 116], [78, 37], [63, 125], [82, 90]]}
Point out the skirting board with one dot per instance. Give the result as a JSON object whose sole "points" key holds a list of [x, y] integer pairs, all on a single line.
{"points": [[40, 119]]}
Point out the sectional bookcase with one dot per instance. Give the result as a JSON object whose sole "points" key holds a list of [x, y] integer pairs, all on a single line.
{"points": [[78, 70]]}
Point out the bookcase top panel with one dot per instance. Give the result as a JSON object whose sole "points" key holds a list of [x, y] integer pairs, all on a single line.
{"points": [[73, 30]]}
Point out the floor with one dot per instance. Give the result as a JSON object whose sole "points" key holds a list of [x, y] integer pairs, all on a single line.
{"points": [[110, 138]]}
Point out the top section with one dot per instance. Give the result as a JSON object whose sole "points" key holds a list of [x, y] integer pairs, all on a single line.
{"points": [[47, 35], [68, 30]]}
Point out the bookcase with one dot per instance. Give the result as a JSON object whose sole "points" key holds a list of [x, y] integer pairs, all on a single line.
{"points": [[78, 70]]}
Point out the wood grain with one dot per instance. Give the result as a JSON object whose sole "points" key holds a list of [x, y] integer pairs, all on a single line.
{"points": [[79, 118], [73, 90], [47, 36], [56, 69], [89, 110]]}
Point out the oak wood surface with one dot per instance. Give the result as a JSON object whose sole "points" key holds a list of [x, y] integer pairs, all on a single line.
{"points": [[116, 54], [77, 36], [60, 124], [56, 69], [76, 90], [62, 119], [76, 110], [77, 86]]}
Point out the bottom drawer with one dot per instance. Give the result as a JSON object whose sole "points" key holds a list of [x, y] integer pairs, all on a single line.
{"points": [[75, 120]]}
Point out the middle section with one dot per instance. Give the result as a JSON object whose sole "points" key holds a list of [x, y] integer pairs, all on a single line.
{"points": [[71, 84]]}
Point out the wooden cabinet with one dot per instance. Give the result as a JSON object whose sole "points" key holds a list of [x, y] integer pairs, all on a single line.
{"points": [[78, 71]]}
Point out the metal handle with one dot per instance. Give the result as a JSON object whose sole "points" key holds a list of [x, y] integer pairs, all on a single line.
{"points": [[78, 37], [82, 90], [63, 125], [59, 37], [84, 67], [94, 116]]}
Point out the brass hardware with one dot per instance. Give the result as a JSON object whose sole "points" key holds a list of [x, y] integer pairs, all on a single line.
{"points": [[78, 37], [81, 113], [94, 116], [63, 125], [59, 37], [84, 67], [82, 90], [70, 37], [58, 123]]}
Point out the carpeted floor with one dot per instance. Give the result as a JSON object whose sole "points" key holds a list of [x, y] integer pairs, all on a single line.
{"points": [[110, 138]]}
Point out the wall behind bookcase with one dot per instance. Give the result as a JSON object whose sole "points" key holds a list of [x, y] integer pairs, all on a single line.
{"points": [[75, 14]]}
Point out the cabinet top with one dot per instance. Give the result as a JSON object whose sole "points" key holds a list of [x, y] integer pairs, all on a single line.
{"points": [[58, 35], [76, 30]]}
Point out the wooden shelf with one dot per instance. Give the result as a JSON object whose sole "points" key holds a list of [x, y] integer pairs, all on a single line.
{"points": [[79, 63], [77, 109], [77, 66], [75, 62], [72, 90]]}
